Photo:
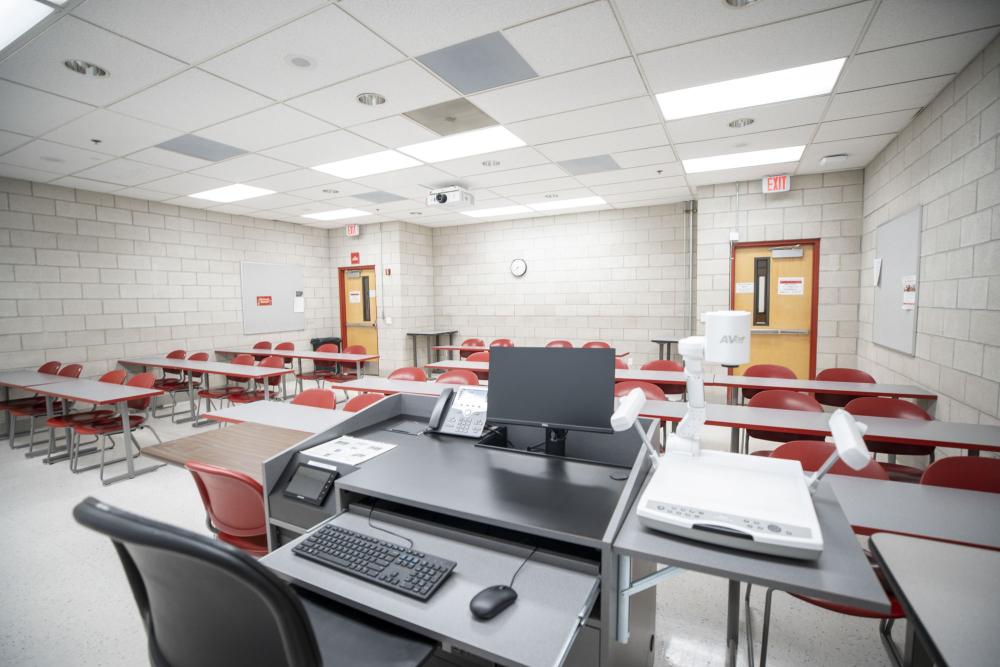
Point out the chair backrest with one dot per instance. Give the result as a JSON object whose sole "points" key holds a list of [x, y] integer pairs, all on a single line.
{"points": [[559, 343], [972, 473], [142, 381], [408, 373], [197, 356], [176, 354], [458, 377], [502, 342], [782, 399], [479, 356], [881, 406], [272, 362], [362, 401], [116, 376], [595, 343], [769, 371], [70, 371], [621, 364], [652, 392], [328, 347], [240, 360], [841, 375], [663, 365], [262, 345], [234, 500], [473, 342], [287, 345], [812, 453], [316, 398], [50, 367], [355, 349], [201, 600]]}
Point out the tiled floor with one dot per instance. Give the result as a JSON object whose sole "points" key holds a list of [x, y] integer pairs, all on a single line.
{"points": [[64, 600]]}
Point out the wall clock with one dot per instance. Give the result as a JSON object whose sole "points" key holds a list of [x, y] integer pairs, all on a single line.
{"points": [[518, 268]]}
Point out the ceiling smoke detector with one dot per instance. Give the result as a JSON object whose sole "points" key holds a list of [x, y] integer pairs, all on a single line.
{"points": [[86, 69], [740, 122], [828, 160], [371, 99], [739, 4]]}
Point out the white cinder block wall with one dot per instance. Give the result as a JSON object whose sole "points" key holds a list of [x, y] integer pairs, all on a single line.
{"points": [[946, 160], [617, 276], [88, 277]]}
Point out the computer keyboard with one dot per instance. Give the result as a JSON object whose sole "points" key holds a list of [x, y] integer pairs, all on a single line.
{"points": [[393, 566]]}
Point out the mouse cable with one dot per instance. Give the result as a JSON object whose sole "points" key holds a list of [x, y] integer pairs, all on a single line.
{"points": [[385, 530], [519, 567]]}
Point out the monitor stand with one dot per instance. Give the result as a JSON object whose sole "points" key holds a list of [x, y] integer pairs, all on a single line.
{"points": [[555, 441]]}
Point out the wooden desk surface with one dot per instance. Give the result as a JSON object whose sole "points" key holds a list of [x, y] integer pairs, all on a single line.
{"points": [[242, 447]]}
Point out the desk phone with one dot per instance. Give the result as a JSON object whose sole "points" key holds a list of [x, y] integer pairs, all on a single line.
{"points": [[459, 411]]}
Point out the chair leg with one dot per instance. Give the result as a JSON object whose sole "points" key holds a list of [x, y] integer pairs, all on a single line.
{"points": [[885, 633], [767, 627], [151, 430], [749, 626]]}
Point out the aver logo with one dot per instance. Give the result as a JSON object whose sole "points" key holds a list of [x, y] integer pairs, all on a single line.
{"points": [[732, 338]]}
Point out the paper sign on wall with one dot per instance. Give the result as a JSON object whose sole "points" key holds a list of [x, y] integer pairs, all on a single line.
{"points": [[744, 288], [909, 292], [791, 286], [355, 258], [264, 301], [354, 297], [371, 294], [299, 303]]}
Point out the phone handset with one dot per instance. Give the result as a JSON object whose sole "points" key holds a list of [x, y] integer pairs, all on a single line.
{"points": [[440, 410]]}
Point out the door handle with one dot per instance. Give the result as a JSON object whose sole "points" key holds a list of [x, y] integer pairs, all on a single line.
{"points": [[764, 331], [364, 325], [795, 331]]}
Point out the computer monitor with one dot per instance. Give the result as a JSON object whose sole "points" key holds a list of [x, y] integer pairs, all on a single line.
{"points": [[559, 389]]}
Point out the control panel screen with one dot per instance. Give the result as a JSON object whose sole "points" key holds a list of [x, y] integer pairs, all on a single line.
{"points": [[310, 484]]}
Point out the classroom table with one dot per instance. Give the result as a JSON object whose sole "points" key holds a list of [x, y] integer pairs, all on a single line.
{"points": [[432, 340], [461, 349], [380, 385], [241, 447], [949, 593], [358, 360], [23, 380], [621, 374], [95, 393], [281, 415], [669, 342]]}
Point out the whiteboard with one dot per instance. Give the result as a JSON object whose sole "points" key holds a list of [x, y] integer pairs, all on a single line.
{"points": [[897, 245], [269, 298]]}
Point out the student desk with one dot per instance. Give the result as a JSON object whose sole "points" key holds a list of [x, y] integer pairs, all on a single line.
{"points": [[621, 374], [281, 415], [669, 342], [23, 380], [95, 393], [461, 349], [823, 386], [380, 385], [331, 357], [432, 340], [949, 593]]}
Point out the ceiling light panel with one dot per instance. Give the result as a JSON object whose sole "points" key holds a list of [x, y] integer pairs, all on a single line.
{"points": [[337, 214], [18, 17], [557, 204], [746, 159], [497, 212], [474, 142], [366, 165], [750, 91], [231, 193]]}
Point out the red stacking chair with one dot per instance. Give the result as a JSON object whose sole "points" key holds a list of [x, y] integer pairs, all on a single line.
{"points": [[287, 346], [620, 364], [322, 370], [172, 381], [73, 418], [480, 356], [270, 384], [676, 390], [362, 401], [841, 375], [224, 392], [50, 368], [317, 398], [470, 342], [458, 377], [596, 343], [652, 391], [38, 409], [106, 427], [502, 342], [234, 503], [811, 454], [765, 371], [559, 343], [878, 406], [262, 345], [408, 373], [972, 473], [348, 371], [780, 399]]}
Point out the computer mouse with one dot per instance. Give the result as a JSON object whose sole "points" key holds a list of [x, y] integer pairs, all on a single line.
{"points": [[491, 601]]}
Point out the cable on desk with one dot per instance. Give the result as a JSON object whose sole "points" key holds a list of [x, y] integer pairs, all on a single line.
{"points": [[385, 530], [519, 567]]}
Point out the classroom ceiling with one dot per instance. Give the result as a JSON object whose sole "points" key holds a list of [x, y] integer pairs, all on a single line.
{"points": [[274, 86]]}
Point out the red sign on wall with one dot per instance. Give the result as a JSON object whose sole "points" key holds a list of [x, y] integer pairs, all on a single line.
{"points": [[782, 183], [355, 258], [263, 301]]}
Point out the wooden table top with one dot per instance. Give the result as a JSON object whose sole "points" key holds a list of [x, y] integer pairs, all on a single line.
{"points": [[243, 447]]}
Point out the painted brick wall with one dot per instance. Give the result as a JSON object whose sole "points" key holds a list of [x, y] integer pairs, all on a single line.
{"points": [[88, 277], [946, 160], [618, 276]]}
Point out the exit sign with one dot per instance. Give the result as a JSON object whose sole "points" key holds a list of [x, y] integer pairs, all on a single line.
{"points": [[353, 230], [782, 183]]}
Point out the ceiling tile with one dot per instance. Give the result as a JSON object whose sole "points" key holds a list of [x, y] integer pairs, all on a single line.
{"points": [[644, 156], [865, 126], [272, 126], [806, 111], [336, 188], [10, 140], [168, 159], [935, 57], [653, 198], [802, 41], [511, 176], [574, 38], [118, 134], [622, 140], [479, 64], [532, 187], [143, 193], [537, 197], [131, 66], [644, 185], [412, 182], [637, 174], [405, 86], [580, 88], [24, 173], [525, 156], [86, 184], [336, 45], [185, 184], [47, 156], [792, 136], [859, 153], [190, 101], [592, 120], [589, 165], [909, 95], [125, 172], [191, 31], [294, 180], [33, 112], [194, 146], [235, 209], [270, 202], [244, 168], [903, 21], [324, 148], [394, 132]]}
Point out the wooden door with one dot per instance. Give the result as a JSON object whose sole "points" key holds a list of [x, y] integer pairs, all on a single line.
{"points": [[359, 307]]}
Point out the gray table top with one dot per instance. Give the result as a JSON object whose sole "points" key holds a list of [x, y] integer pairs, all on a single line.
{"points": [[282, 415], [656, 377], [25, 379], [212, 367], [825, 387], [950, 592], [94, 392], [663, 340], [300, 354], [841, 574], [387, 386], [432, 333]]}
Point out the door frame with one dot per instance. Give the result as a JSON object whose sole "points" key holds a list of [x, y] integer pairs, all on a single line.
{"points": [[814, 316], [340, 294]]}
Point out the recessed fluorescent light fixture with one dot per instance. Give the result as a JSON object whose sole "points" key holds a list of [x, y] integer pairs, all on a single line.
{"points": [[231, 193], [746, 159], [464, 144], [337, 214], [366, 165], [568, 203], [501, 210], [18, 17], [751, 91]]}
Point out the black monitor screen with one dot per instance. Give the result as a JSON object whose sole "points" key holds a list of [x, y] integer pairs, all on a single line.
{"points": [[558, 388]]}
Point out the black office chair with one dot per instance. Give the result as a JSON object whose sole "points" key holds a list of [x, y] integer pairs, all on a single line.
{"points": [[205, 603]]}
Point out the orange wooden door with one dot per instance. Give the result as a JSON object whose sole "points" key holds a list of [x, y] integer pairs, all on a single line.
{"points": [[359, 296]]}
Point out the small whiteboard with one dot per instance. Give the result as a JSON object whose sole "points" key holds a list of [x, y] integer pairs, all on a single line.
{"points": [[897, 253], [270, 293]]}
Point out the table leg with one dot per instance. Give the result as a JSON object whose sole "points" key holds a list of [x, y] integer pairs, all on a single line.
{"points": [[733, 623], [734, 437], [659, 353], [127, 437], [52, 454], [414, 351], [298, 380], [915, 653], [359, 369], [197, 411], [430, 344], [267, 388], [670, 347]]}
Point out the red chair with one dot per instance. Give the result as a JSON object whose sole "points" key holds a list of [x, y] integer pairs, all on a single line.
{"points": [[50, 368], [811, 455], [72, 419], [502, 342], [652, 392], [270, 384], [765, 371], [172, 381], [596, 343], [234, 503], [408, 373], [224, 392], [841, 375], [878, 406], [286, 347], [322, 370], [458, 377], [780, 399], [316, 398], [670, 367], [362, 401], [972, 473], [348, 371], [103, 429], [480, 356], [620, 364], [37, 408], [470, 342], [559, 343], [262, 345]]}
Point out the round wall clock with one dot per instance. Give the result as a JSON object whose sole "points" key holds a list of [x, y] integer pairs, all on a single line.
{"points": [[518, 268]]}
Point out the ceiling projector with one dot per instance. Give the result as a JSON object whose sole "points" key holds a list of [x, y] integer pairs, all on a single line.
{"points": [[452, 196]]}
